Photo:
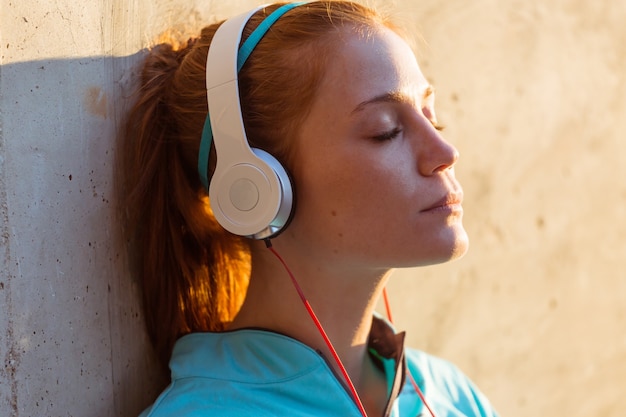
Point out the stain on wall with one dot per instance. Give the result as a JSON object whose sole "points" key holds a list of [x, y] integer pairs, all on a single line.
{"points": [[95, 102]]}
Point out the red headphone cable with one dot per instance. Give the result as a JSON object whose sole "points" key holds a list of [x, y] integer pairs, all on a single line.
{"points": [[330, 346]]}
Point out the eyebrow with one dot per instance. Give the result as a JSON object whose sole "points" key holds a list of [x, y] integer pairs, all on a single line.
{"points": [[392, 97]]}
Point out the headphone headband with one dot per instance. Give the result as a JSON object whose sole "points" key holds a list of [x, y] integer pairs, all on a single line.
{"points": [[242, 56], [250, 191]]}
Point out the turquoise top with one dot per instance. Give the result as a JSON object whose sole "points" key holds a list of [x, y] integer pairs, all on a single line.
{"points": [[260, 373]]}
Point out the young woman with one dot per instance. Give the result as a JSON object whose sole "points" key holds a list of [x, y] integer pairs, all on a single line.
{"points": [[279, 320]]}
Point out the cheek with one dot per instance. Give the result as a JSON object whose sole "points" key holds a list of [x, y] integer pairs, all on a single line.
{"points": [[353, 202], [327, 196]]}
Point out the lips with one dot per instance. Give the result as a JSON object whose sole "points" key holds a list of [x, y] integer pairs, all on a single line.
{"points": [[451, 201]]}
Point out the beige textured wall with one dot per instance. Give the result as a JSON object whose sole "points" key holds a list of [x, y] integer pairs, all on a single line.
{"points": [[532, 93]]}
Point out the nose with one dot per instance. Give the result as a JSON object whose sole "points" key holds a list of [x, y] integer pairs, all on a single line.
{"points": [[435, 154]]}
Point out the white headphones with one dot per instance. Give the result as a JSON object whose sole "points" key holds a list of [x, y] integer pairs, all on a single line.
{"points": [[250, 191]]}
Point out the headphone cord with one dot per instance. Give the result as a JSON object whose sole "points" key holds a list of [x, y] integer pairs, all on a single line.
{"points": [[330, 346]]}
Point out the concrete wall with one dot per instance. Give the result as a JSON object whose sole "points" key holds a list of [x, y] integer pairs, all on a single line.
{"points": [[532, 93]]}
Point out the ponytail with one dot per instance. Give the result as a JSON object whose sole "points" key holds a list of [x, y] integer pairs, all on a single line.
{"points": [[192, 272]]}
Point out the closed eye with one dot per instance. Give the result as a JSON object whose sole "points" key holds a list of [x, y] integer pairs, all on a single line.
{"points": [[391, 134]]}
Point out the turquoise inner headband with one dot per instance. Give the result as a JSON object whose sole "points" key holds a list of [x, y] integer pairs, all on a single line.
{"points": [[242, 56]]}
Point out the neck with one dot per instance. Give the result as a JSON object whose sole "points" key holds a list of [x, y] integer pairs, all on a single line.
{"points": [[343, 300]]}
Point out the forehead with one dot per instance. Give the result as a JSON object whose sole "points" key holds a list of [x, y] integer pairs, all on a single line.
{"points": [[363, 66]]}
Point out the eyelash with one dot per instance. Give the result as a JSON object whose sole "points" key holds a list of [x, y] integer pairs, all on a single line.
{"points": [[393, 133]]}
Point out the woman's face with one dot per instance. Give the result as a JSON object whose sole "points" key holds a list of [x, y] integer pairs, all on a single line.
{"points": [[374, 178]]}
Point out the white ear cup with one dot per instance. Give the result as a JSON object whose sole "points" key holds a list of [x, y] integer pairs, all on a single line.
{"points": [[250, 191], [253, 200]]}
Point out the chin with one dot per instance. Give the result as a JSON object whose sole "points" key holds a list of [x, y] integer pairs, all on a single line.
{"points": [[459, 250], [459, 246], [448, 249]]}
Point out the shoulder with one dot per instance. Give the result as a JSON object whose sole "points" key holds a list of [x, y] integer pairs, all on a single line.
{"points": [[248, 372], [202, 397], [188, 399], [446, 387]]}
